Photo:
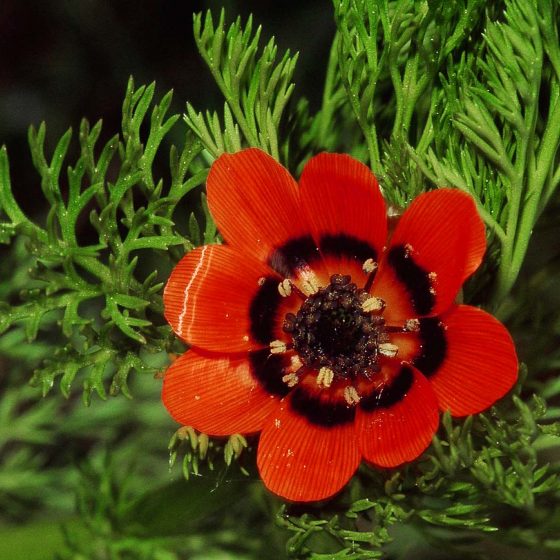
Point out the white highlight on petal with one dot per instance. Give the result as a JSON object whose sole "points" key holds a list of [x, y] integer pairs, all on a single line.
{"points": [[187, 290]]}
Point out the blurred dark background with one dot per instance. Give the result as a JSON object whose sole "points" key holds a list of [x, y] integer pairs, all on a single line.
{"points": [[61, 60]]}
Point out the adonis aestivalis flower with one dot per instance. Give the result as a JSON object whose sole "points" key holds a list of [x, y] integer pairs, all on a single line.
{"points": [[313, 326]]}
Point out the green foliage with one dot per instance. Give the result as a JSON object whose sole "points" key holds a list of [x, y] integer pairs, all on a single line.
{"points": [[389, 55], [163, 523], [198, 448], [503, 144], [103, 292], [255, 86]]}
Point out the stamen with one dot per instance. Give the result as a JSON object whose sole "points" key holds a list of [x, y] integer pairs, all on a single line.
{"points": [[412, 325], [325, 377], [295, 362], [278, 347], [310, 285], [388, 349], [369, 266], [373, 304], [351, 395], [285, 288], [291, 379], [294, 371]]}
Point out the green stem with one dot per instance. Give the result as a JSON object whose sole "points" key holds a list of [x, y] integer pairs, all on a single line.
{"points": [[9, 205], [95, 267]]}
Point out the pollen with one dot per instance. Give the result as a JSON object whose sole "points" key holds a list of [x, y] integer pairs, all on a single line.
{"points": [[373, 304], [291, 379], [278, 347], [310, 285], [412, 325], [261, 281], [369, 266], [295, 362], [285, 288], [389, 350], [351, 395], [325, 377]]}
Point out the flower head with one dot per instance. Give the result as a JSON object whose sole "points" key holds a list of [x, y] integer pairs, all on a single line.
{"points": [[314, 328]]}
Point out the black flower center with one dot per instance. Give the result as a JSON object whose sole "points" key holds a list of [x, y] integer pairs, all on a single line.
{"points": [[334, 329]]}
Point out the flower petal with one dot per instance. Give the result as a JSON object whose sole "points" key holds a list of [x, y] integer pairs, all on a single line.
{"points": [[437, 243], [302, 461], [256, 205], [254, 201], [396, 424], [216, 394], [478, 362], [343, 204], [222, 300]]}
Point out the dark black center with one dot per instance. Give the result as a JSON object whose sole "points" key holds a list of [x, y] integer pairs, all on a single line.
{"points": [[332, 330]]}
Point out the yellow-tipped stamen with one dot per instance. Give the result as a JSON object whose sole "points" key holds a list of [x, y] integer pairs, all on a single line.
{"points": [[351, 395], [369, 266], [412, 325], [291, 379], [373, 304], [325, 377], [278, 347], [285, 288], [295, 362], [309, 285], [389, 350]]}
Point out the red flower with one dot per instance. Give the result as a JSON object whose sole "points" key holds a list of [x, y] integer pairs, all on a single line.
{"points": [[311, 327]]}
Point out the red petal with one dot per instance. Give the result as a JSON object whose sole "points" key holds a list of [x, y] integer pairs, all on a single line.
{"points": [[210, 296], [215, 394], [304, 462], [254, 201], [480, 364], [399, 429], [398, 305], [344, 207], [437, 243]]}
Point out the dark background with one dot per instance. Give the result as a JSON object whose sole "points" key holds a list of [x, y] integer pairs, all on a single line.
{"points": [[61, 60]]}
